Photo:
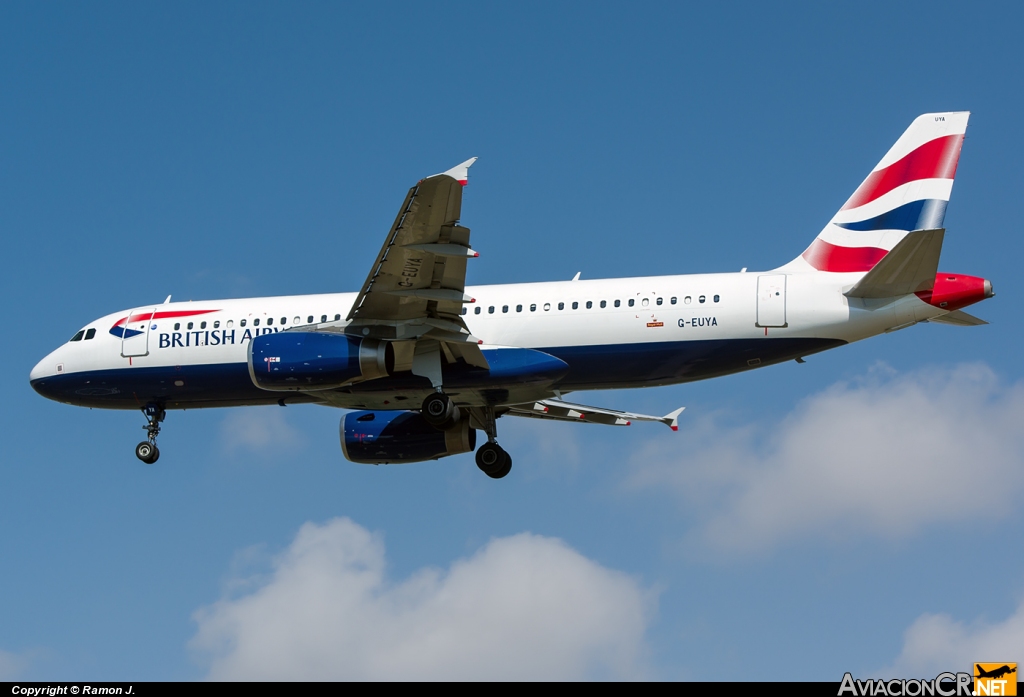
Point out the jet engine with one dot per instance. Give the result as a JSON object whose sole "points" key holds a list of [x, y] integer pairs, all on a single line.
{"points": [[395, 437], [292, 361]]}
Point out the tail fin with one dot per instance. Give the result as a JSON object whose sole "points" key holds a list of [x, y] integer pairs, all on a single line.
{"points": [[908, 190]]}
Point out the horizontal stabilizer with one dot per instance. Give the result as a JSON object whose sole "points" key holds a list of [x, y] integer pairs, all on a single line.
{"points": [[910, 267], [557, 410], [959, 318]]}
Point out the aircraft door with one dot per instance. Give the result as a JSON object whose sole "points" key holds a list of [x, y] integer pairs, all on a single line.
{"points": [[771, 301], [135, 332]]}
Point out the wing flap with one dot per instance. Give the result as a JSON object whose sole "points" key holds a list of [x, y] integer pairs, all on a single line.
{"points": [[557, 410]]}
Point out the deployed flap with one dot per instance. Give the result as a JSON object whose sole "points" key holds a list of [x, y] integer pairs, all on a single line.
{"points": [[417, 283], [557, 410], [910, 267], [958, 318]]}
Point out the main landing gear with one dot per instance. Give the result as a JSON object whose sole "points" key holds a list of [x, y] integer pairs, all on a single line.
{"points": [[147, 450], [442, 413]]}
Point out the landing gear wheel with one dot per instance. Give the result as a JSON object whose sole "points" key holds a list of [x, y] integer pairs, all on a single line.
{"points": [[493, 460], [147, 452], [440, 411]]}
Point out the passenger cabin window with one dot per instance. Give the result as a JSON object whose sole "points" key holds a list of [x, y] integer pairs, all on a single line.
{"points": [[490, 310], [716, 298], [242, 323], [216, 324], [533, 307], [270, 320], [90, 333], [323, 318], [189, 325], [618, 303], [673, 300], [590, 304], [78, 336], [575, 305], [309, 320], [604, 304], [256, 322], [177, 326], [687, 300], [519, 308], [504, 308], [476, 310], [284, 320], [701, 299], [230, 323], [465, 310], [202, 325], [645, 302], [631, 302], [547, 306], [337, 317], [659, 301], [561, 306]]}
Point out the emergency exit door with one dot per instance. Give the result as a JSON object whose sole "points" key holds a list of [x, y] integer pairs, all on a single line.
{"points": [[771, 301]]}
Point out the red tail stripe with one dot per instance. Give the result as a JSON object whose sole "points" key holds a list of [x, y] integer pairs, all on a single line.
{"points": [[936, 159], [830, 257]]}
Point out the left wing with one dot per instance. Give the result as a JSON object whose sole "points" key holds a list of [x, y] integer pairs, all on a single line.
{"points": [[557, 410], [416, 287]]}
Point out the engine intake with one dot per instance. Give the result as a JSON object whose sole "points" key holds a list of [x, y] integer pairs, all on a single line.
{"points": [[295, 361], [395, 437]]}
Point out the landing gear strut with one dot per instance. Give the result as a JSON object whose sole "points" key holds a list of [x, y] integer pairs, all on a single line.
{"points": [[147, 450], [491, 457]]}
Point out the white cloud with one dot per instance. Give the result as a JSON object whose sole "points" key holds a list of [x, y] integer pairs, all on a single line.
{"points": [[258, 429], [885, 456], [936, 643], [13, 665], [522, 607]]}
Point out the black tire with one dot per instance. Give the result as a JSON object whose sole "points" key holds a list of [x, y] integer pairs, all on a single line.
{"points": [[440, 411], [147, 452], [492, 459]]}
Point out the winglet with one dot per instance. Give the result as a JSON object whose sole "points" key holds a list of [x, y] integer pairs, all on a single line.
{"points": [[460, 173], [672, 420]]}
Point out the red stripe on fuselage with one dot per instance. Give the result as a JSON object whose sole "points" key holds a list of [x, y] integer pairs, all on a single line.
{"points": [[162, 315], [936, 159], [830, 257]]}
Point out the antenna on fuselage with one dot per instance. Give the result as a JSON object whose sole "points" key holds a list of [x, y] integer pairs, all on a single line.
{"points": [[577, 276], [167, 300]]}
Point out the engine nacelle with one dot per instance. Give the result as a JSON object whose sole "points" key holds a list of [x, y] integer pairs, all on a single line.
{"points": [[393, 437], [293, 361]]}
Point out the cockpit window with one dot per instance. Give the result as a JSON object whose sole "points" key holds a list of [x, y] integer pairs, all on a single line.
{"points": [[78, 336], [90, 334]]}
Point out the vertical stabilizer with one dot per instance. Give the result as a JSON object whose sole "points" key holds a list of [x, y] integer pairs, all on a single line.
{"points": [[908, 190]]}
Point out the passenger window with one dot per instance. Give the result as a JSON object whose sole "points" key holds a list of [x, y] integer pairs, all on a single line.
{"points": [[337, 317], [284, 320], [189, 325], [323, 318], [716, 298], [230, 323], [659, 301], [202, 325], [561, 306], [533, 307], [590, 305], [631, 302], [465, 310], [309, 320], [216, 324], [177, 326], [673, 300], [504, 308], [270, 320], [618, 303], [476, 310], [604, 304], [242, 323], [519, 308], [687, 300], [490, 310], [78, 336], [90, 334], [547, 306], [701, 299], [645, 302], [575, 305], [256, 322]]}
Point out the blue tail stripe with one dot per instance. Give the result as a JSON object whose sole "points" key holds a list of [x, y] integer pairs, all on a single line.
{"points": [[925, 214]]}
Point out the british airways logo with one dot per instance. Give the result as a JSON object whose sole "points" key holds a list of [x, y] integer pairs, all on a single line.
{"points": [[122, 330]]}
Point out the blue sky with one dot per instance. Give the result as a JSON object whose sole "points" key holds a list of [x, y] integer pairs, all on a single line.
{"points": [[857, 512]]}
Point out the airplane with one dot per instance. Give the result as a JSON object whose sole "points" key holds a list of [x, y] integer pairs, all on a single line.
{"points": [[996, 673], [424, 362]]}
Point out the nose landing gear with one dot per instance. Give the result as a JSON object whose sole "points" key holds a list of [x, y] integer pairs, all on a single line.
{"points": [[147, 450]]}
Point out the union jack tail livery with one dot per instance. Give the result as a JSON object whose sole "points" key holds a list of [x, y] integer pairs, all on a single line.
{"points": [[908, 190]]}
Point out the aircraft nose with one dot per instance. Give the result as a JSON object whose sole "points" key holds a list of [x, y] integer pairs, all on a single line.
{"points": [[40, 376]]}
